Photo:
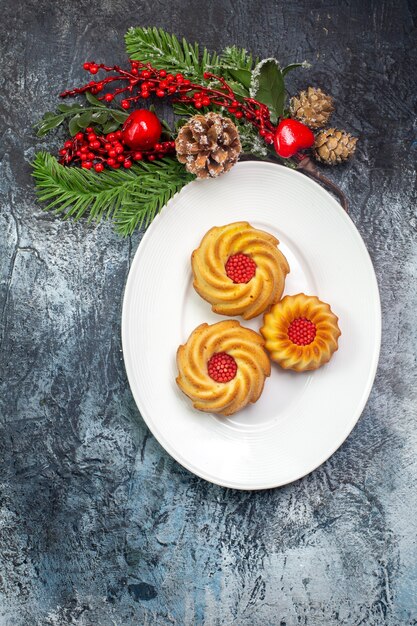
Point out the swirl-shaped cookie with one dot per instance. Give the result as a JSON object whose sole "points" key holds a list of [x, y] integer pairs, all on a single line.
{"points": [[301, 332], [239, 270], [222, 367]]}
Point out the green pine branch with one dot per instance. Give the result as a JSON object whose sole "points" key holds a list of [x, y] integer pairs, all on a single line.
{"points": [[237, 58], [165, 51], [131, 198]]}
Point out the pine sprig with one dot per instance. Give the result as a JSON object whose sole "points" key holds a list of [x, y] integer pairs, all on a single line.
{"points": [[237, 58], [165, 51], [131, 198]]}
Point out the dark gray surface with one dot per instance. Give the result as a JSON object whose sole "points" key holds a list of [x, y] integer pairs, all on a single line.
{"points": [[98, 525]]}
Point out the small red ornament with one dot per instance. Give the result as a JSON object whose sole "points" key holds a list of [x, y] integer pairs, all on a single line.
{"points": [[290, 137], [240, 268], [141, 130], [222, 367]]}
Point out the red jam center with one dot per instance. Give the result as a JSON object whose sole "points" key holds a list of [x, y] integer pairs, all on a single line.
{"points": [[240, 268], [301, 331], [222, 367]]}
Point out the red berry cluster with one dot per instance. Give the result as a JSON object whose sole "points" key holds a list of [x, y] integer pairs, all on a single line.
{"points": [[222, 367], [96, 151], [302, 331], [142, 79], [240, 268]]}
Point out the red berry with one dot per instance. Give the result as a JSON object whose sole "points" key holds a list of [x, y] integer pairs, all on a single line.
{"points": [[83, 157], [146, 74], [158, 147], [116, 166], [99, 167], [86, 66], [91, 155], [186, 82], [179, 78], [206, 75], [118, 134], [84, 149], [127, 164], [198, 104], [239, 115], [62, 152], [160, 93], [89, 130], [206, 102], [240, 268], [162, 73], [121, 158], [118, 149], [112, 153], [291, 136], [111, 162], [172, 89], [125, 104], [95, 144], [68, 144], [138, 156], [142, 130], [170, 78], [145, 94], [107, 146], [108, 97], [301, 331], [93, 68], [111, 137], [151, 157], [88, 165], [222, 367], [79, 136]]}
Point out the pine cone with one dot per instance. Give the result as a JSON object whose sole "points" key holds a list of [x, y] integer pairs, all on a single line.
{"points": [[333, 146], [312, 107], [208, 145]]}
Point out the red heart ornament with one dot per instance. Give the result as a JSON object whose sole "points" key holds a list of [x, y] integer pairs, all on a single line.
{"points": [[290, 137]]}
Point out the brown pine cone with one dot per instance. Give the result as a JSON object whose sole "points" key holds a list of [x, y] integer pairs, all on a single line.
{"points": [[208, 145], [333, 146], [312, 107]]}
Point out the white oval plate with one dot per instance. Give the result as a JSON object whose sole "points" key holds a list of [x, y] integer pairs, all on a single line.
{"points": [[300, 419]]}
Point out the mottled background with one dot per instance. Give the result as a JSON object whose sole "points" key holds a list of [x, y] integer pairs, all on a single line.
{"points": [[98, 525]]}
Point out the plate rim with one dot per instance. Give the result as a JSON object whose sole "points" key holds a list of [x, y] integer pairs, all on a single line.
{"points": [[126, 356]]}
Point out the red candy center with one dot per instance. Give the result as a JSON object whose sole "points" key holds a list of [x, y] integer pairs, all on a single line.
{"points": [[302, 331], [240, 268], [222, 367]]}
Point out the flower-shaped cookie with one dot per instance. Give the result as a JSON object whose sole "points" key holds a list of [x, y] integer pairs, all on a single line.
{"points": [[222, 367], [301, 332], [239, 270]]}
